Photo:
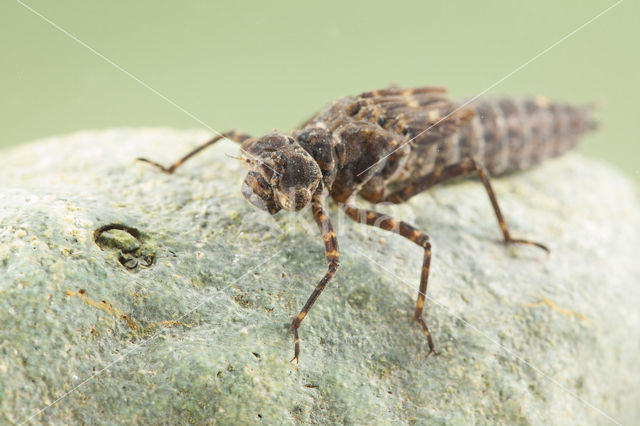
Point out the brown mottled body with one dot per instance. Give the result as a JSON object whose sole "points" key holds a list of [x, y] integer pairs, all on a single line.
{"points": [[389, 145], [386, 129]]}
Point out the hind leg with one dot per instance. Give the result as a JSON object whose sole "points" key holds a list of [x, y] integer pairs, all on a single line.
{"points": [[463, 168]]}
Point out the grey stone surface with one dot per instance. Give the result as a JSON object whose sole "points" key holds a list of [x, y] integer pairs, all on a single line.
{"points": [[525, 339]]}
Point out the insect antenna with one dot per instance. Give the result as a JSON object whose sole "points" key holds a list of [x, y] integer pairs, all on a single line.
{"points": [[234, 157]]}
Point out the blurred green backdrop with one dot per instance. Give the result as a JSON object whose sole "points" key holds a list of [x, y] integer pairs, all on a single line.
{"points": [[261, 65]]}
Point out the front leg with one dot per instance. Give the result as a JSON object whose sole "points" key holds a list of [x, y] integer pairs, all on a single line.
{"points": [[233, 135], [333, 260]]}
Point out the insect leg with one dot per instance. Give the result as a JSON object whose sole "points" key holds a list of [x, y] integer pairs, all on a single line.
{"points": [[411, 233], [465, 167], [333, 261], [232, 135]]}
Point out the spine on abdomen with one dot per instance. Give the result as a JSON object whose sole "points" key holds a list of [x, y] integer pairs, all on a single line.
{"points": [[509, 134]]}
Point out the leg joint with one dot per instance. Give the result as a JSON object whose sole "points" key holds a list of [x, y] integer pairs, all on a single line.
{"points": [[333, 265]]}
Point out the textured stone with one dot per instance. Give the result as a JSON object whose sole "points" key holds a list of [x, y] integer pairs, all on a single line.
{"points": [[189, 322]]}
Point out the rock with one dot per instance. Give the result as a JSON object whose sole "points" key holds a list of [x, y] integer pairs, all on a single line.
{"points": [[179, 310]]}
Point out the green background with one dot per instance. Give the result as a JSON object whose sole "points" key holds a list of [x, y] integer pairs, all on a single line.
{"points": [[255, 66]]}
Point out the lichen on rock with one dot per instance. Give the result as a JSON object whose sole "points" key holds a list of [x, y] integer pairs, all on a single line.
{"points": [[93, 331]]}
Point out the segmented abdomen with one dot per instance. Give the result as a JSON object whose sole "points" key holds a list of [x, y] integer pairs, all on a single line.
{"points": [[512, 134], [518, 133], [506, 134]]}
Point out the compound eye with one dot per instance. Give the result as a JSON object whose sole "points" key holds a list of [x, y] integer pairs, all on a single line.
{"points": [[257, 191]]}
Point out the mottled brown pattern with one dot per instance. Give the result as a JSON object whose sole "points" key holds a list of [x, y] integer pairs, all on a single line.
{"points": [[389, 145]]}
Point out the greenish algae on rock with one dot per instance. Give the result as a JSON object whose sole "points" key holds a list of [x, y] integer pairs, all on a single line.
{"points": [[201, 333]]}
